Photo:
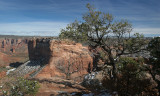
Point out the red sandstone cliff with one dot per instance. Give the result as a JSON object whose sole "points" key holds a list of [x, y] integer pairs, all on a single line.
{"points": [[64, 59], [13, 50], [9, 45]]}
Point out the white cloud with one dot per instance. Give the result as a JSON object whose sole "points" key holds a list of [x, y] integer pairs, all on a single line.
{"points": [[32, 28]]}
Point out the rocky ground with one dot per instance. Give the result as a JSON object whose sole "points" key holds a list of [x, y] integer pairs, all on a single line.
{"points": [[57, 85]]}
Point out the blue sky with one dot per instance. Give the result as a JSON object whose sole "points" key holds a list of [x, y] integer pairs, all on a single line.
{"points": [[47, 17]]}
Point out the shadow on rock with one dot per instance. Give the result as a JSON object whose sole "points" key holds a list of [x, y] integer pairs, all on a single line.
{"points": [[15, 65]]}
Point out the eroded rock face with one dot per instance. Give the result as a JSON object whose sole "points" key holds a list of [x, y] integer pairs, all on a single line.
{"points": [[38, 49], [13, 45], [64, 59], [13, 50]]}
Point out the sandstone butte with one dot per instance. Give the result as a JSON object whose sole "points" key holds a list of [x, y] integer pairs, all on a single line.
{"points": [[63, 59]]}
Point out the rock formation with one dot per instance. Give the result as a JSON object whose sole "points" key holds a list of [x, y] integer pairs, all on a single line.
{"points": [[64, 59], [9, 44], [13, 50]]}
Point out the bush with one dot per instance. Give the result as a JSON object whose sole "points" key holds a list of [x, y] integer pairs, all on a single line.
{"points": [[131, 79], [22, 87]]}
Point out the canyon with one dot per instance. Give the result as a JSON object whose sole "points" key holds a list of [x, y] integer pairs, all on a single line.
{"points": [[57, 65], [13, 50], [60, 66]]}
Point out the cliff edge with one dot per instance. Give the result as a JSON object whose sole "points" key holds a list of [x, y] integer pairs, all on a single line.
{"points": [[63, 59]]}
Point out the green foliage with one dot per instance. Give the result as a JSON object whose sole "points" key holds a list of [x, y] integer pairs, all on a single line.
{"points": [[131, 79], [98, 23], [135, 44], [129, 66], [98, 28], [121, 28], [95, 21], [154, 47], [73, 32], [21, 87]]}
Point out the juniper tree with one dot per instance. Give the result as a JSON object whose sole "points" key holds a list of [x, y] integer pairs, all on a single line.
{"points": [[100, 29]]}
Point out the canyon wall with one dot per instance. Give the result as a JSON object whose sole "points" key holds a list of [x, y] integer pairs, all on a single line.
{"points": [[13, 50], [12, 45], [63, 58], [39, 49]]}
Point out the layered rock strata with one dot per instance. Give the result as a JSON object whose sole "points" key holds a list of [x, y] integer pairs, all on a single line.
{"points": [[13, 50], [62, 58]]}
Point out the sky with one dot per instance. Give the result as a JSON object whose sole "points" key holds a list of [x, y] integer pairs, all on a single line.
{"points": [[48, 17]]}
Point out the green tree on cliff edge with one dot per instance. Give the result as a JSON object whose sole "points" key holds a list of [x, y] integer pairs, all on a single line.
{"points": [[99, 29], [154, 48]]}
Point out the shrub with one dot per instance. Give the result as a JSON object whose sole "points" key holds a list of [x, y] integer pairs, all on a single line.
{"points": [[22, 87], [131, 79]]}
